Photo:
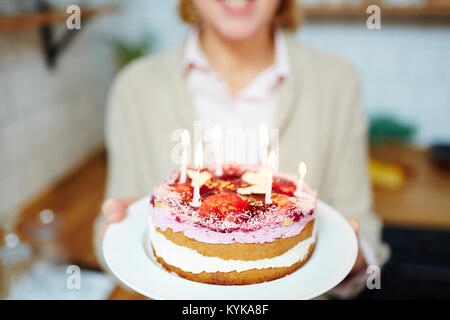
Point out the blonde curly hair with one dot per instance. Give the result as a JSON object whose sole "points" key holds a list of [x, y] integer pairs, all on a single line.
{"points": [[288, 15]]}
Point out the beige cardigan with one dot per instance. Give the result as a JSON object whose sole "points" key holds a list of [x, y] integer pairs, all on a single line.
{"points": [[319, 117]]}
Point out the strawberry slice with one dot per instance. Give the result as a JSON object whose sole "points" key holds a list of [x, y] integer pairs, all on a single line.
{"points": [[280, 200], [286, 207], [216, 186], [226, 207], [185, 190], [284, 186]]}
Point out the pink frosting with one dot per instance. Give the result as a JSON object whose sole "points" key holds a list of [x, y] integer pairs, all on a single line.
{"points": [[164, 220], [266, 226]]}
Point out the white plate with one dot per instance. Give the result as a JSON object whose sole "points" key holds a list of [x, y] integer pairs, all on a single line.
{"points": [[126, 252]]}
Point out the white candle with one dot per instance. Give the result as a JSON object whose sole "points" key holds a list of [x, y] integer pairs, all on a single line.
{"points": [[217, 137], [198, 164], [263, 143], [271, 162], [184, 155], [301, 173]]}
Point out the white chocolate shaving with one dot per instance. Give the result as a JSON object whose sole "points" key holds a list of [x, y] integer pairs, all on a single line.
{"points": [[256, 178], [258, 181], [203, 177]]}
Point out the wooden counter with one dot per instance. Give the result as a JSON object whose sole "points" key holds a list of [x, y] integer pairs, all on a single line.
{"points": [[424, 200]]}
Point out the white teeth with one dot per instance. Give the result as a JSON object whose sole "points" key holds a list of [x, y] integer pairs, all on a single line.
{"points": [[236, 3]]}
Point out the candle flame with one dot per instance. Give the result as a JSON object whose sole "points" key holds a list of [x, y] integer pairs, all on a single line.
{"points": [[199, 155], [263, 135], [302, 170], [185, 138], [272, 160]]}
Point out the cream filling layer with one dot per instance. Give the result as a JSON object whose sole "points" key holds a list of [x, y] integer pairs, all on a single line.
{"points": [[190, 260]]}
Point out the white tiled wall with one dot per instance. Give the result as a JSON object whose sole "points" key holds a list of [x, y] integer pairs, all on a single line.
{"points": [[404, 69], [49, 119]]}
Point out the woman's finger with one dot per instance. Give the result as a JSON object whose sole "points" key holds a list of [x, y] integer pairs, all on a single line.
{"points": [[113, 210], [102, 230], [354, 224], [127, 201]]}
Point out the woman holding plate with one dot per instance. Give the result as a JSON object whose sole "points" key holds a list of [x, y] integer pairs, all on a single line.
{"points": [[239, 67]]}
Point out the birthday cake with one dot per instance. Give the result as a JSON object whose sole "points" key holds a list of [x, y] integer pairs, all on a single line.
{"points": [[234, 235]]}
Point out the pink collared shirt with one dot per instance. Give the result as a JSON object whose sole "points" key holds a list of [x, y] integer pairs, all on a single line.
{"points": [[254, 105]]}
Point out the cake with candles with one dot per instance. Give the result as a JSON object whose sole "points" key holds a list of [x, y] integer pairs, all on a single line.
{"points": [[232, 224]]}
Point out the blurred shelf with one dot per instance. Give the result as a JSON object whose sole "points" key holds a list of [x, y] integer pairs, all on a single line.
{"points": [[392, 14], [40, 19]]}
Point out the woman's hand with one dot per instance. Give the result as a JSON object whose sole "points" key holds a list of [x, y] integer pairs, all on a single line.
{"points": [[360, 260], [344, 289], [114, 210]]}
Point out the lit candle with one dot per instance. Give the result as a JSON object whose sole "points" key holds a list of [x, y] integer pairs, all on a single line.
{"points": [[198, 164], [302, 173], [263, 143], [271, 162], [217, 137], [184, 155]]}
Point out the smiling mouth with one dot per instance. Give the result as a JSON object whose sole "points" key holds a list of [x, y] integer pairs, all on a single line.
{"points": [[237, 6]]}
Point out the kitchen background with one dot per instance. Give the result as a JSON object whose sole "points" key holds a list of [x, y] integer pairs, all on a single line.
{"points": [[51, 119]]}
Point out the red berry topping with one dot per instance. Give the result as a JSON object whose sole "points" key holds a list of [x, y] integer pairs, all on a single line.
{"points": [[280, 200], [285, 206], [226, 207], [216, 186], [283, 186], [185, 190]]}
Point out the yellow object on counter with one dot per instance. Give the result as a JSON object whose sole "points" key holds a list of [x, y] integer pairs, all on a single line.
{"points": [[386, 175]]}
